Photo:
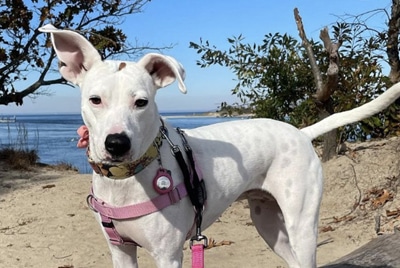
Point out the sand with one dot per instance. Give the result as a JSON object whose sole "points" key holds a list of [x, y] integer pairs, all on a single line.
{"points": [[45, 221]]}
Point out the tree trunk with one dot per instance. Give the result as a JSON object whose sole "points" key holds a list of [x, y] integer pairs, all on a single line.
{"points": [[330, 139], [381, 252], [392, 46], [323, 90]]}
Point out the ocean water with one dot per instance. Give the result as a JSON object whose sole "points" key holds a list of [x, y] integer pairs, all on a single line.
{"points": [[54, 136]]}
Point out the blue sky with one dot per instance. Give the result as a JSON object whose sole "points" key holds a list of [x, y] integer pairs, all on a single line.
{"points": [[179, 22]]}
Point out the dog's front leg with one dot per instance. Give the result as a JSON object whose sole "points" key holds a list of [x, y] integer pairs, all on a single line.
{"points": [[124, 256], [167, 252], [169, 260]]}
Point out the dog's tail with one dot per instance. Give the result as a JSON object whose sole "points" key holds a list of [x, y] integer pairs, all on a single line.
{"points": [[354, 115]]}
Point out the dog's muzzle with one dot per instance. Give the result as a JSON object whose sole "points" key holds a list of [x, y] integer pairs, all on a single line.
{"points": [[117, 144], [123, 170]]}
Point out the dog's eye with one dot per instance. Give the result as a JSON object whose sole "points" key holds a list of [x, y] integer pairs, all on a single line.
{"points": [[141, 103], [95, 100]]}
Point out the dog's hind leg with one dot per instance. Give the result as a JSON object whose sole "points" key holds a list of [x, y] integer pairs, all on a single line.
{"points": [[268, 220], [288, 227]]}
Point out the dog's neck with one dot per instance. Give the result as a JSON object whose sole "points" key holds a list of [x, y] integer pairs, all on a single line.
{"points": [[120, 171]]}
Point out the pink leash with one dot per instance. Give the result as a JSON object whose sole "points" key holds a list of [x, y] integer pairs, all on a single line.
{"points": [[198, 256]]}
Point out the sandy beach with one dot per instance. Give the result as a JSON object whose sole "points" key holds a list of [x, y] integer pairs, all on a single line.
{"points": [[45, 221]]}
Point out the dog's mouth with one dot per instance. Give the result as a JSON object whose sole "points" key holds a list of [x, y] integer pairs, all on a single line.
{"points": [[116, 160]]}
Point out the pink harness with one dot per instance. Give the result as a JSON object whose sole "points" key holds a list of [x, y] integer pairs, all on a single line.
{"points": [[109, 213]]}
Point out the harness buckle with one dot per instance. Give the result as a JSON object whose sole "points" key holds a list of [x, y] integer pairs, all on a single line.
{"points": [[184, 141], [174, 198], [175, 149], [199, 238], [164, 134], [171, 196], [109, 224]]}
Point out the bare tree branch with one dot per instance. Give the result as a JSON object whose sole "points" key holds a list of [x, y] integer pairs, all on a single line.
{"points": [[323, 90], [310, 53], [333, 70], [392, 47], [22, 48]]}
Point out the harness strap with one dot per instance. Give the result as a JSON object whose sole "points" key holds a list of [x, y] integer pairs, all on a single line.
{"points": [[108, 213], [187, 179], [193, 180], [113, 234], [198, 188], [141, 209], [194, 183]]}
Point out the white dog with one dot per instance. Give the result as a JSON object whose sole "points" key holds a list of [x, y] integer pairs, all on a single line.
{"points": [[138, 192]]}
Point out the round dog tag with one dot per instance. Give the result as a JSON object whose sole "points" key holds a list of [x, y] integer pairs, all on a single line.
{"points": [[162, 182]]}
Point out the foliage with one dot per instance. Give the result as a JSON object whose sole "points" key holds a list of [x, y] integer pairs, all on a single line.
{"points": [[263, 70], [18, 159], [275, 79], [25, 63], [235, 109], [19, 152]]}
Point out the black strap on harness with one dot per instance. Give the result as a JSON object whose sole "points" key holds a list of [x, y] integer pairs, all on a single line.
{"points": [[195, 185], [198, 194]]}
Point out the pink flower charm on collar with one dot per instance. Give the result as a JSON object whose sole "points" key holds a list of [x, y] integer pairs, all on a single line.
{"points": [[83, 133]]}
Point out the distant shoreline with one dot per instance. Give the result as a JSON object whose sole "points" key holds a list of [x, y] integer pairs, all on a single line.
{"points": [[194, 113], [207, 114], [177, 114]]}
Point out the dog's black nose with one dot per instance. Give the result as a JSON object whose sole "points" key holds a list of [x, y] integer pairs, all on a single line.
{"points": [[117, 144]]}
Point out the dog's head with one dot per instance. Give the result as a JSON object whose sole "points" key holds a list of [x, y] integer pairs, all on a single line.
{"points": [[118, 97]]}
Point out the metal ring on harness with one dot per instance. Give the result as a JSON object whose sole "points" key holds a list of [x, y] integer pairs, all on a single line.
{"points": [[89, 203]]}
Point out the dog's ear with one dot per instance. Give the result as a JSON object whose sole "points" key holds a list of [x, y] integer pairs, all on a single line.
{"points": [[164, 70], [76, 54]]}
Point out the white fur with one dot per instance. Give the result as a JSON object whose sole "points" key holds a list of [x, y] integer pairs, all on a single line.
{"points": [[270, 163]]}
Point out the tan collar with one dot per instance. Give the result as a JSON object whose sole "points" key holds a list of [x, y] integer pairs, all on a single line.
{"points": [[125, 170]]}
